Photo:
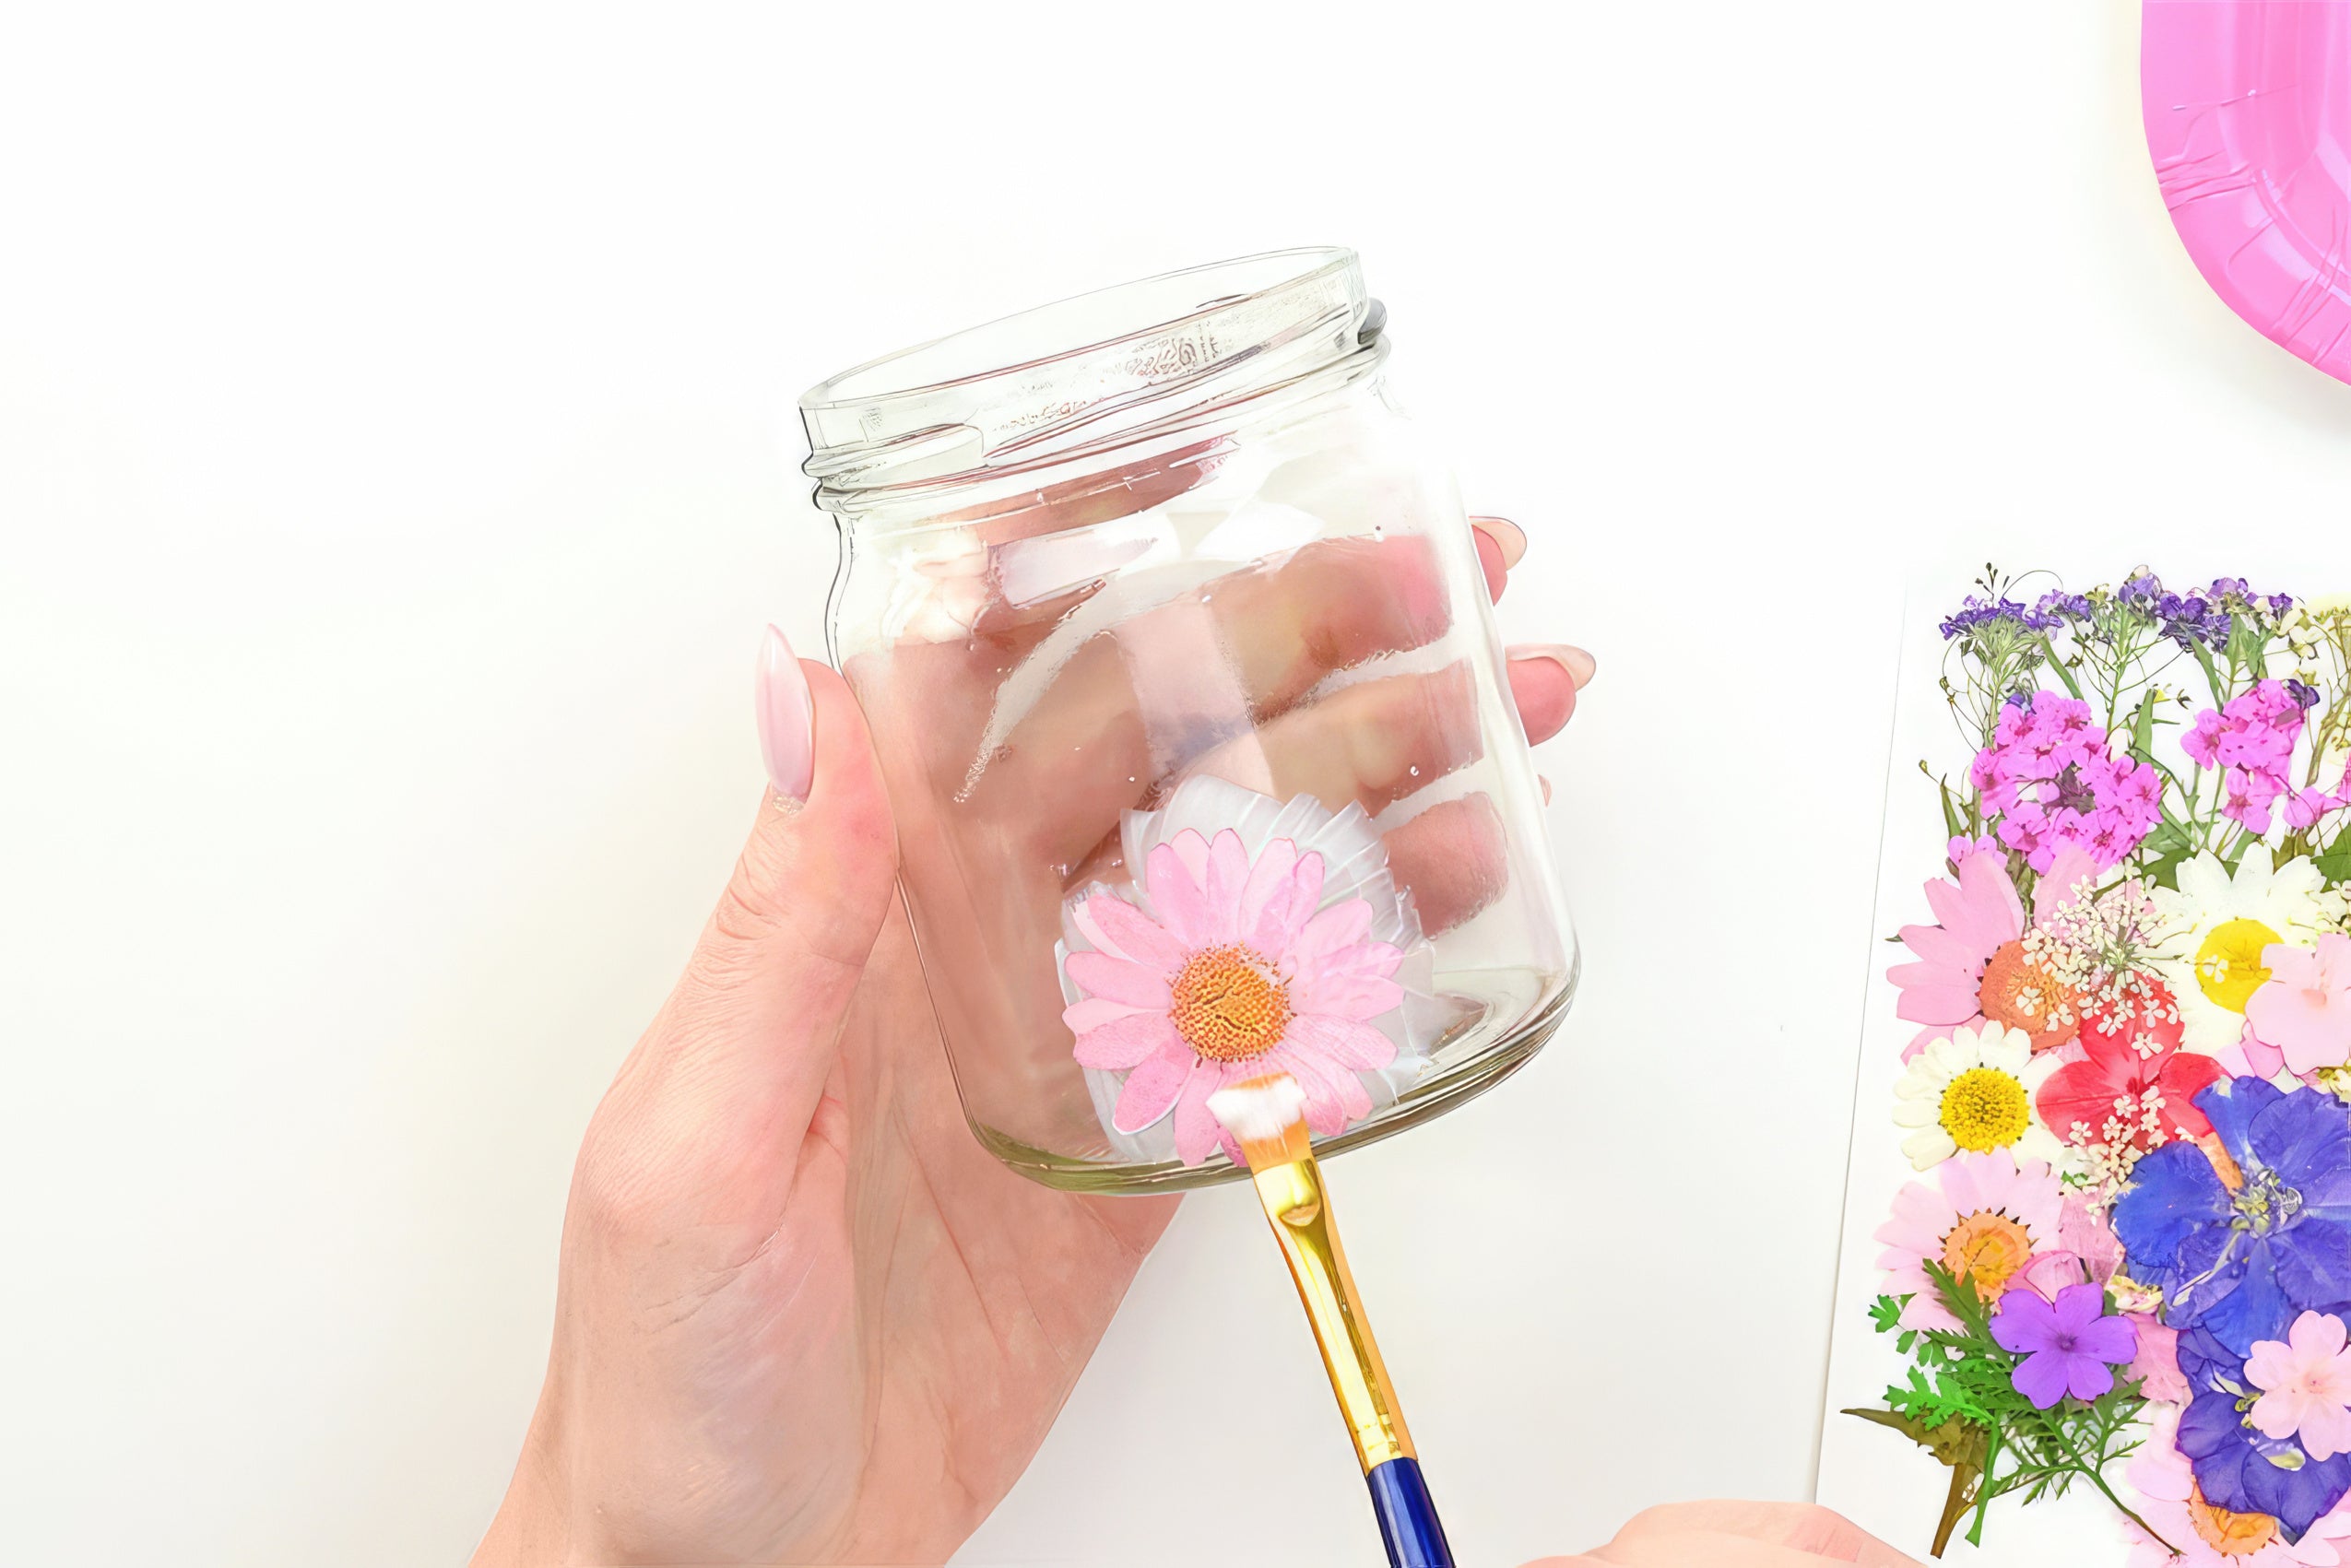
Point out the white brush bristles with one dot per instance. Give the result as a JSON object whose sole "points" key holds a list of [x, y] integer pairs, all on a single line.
{"points": [[1260, 1110]]}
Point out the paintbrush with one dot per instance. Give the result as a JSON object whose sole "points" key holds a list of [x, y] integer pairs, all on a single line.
{"points": [[1267, 1118]]}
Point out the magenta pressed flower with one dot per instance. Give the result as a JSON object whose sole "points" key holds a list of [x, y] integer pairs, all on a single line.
{"points": [[2049, 780], [2250, 740], [2070, 1346]]}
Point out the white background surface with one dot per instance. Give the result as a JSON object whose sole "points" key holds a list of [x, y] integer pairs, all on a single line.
{"points": [[392, 485]]}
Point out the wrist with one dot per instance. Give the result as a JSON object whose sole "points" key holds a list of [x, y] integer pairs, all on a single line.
{"points": [[532, 1527]]}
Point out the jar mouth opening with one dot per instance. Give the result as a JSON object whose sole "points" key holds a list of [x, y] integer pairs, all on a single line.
{"points": [[1080, 373]]}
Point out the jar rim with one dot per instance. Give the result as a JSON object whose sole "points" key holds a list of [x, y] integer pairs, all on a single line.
{"points": [[1047, 381]]}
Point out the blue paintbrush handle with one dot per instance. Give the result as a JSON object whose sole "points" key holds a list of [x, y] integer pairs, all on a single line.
{"points": [[1407, 1516]]}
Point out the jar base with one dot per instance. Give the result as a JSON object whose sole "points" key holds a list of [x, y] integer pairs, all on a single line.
{"points": [[1443, 1091]]}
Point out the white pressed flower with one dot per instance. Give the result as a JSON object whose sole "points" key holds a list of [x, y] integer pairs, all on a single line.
{"points": [[2215, 928], [1974, 1090]]}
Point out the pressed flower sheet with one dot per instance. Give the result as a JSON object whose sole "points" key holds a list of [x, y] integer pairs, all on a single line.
{"points": [[2098, 1261]]}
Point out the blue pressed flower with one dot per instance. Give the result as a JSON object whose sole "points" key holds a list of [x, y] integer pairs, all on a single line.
{"points": [[2241, 1470], [2233, 1262]]}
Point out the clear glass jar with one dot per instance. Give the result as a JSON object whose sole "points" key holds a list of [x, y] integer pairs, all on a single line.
{"points": [[1178, 659]]}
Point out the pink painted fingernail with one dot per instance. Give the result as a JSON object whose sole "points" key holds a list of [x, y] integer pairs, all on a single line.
{"points": [[787, 718], [1508, 535], [1579, 664]]}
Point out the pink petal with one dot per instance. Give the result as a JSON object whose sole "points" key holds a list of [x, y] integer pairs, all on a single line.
{"points": [[2159, 1361], [1116, 1046], [1228, 874], [2055, 890], [1346, 995], [1347, 1099], [1151, 1090], [1370, 961], [1129, 932], [1934, 944], [1182, 907], [1959, 1185], [1276, 906], [1983, 910], [1118, 980], [1340, 927], [1936, 1002], [1326, 1101], [1340, 1040], [2050, 1273], [1197, 1131], [1096, 1011], [1191, 851]]}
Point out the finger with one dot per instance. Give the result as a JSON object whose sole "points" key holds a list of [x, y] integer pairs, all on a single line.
{"points": [[1453, 859], [1800, 1527], [1369, 745], [1544, 679], [1129, 707], [1705, 1549], [1508, 537], [1490, 561], [736, 1063]]}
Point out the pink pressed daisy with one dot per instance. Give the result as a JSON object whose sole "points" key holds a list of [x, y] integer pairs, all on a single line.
{"points": [[1980, 914], [1236, 972], [1984, 1221]]}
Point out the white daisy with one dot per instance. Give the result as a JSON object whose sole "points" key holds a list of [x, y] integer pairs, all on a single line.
{"points": [[1974, 1090], [2215, 927]]}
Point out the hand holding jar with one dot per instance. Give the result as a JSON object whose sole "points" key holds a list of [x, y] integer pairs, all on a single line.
{"points": [[1170, 696], [803, 1315]]}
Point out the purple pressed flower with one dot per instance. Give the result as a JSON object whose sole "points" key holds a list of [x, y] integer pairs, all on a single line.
{"points": [[1976, 612], [2305, 697], [2056, 607], [2070, 1346]]}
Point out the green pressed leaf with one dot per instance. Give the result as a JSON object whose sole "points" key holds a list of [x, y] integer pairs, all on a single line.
{"points": [[2335, 861], [2142, 729], [1952, 1442]]}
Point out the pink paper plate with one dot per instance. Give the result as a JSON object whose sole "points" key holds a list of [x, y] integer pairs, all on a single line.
{"points": [[2246, 104]]}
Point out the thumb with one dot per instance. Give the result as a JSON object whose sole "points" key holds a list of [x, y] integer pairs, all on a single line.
{"points": [[734, 1068]]}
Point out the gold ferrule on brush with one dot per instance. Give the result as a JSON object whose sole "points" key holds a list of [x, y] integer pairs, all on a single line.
{"points": [[1295, 1203]]}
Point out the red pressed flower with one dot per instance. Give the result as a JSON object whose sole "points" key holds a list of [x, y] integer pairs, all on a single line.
{"points": [[2140, 1012], [2112, 1081]]}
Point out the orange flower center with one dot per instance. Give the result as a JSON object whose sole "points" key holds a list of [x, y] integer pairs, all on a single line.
{"points": [[1228, 1007], [2024, 994], [2231, 1534], [1985, 1249]]}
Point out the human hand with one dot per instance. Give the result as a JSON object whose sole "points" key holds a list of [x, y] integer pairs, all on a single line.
{"points": [[802, 1316], [1737, 1535]]}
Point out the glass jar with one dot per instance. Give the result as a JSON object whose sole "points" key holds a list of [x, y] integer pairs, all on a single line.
{"points": [[1180, 666]]}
